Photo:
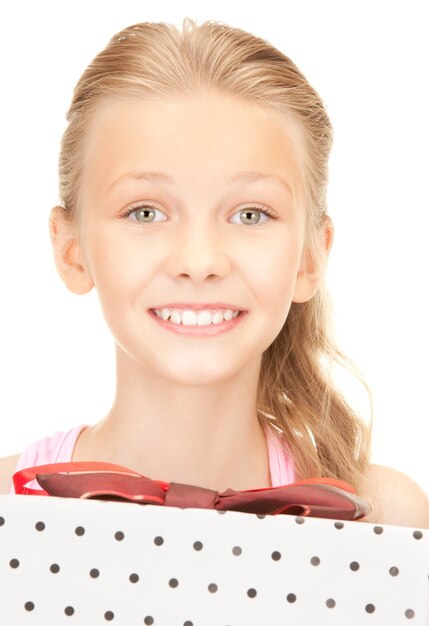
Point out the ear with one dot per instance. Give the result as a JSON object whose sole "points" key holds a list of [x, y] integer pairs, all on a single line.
{"points": [[67, 252], [309, 278]]}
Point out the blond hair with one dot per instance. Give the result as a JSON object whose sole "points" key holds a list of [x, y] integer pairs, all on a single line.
{"points": [[296, 393]]}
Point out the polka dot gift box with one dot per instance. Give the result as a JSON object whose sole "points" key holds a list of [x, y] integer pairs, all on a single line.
{"points": [[93, 562]]}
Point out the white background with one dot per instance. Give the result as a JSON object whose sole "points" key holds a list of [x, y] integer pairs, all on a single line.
{"points": [[368, 60]]}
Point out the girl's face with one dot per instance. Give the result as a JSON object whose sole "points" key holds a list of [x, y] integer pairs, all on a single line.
{"points": [[202, 168]]}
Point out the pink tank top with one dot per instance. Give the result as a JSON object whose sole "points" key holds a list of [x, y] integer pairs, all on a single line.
{"points": [[60, 446]]}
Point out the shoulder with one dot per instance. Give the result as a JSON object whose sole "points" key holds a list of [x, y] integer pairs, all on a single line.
{"points": [[7, 470], [395, 498]]}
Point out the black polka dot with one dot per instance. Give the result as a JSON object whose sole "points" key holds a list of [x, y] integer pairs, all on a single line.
{"points": [[212, 587], [260, 516], [220, 512], [330, 603], [370, 608], [236, 550], [108, 616], [134, 578], [14, 563], [378, 530], [409, 613], [119, 535], [55, 568], [148, 620], [276, 556], [198, 545], [315, 560], [1, 521], [79, 531], [158, 541], [187, 623], [291, 597], [94, 573], [173, 582], [393, 571], [354, 566], [29, 606], [69, 610], [299, 520], [251, 592], [40, 526], [339, 525], [417, 534]]}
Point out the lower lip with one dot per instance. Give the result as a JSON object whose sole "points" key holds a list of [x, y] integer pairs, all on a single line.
{"points": [[200, 331]]}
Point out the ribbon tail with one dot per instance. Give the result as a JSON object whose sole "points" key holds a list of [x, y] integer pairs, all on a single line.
{"points": [[305, 499]]}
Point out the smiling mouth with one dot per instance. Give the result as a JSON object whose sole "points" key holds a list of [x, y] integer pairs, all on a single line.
{"points": [[188, 317]]}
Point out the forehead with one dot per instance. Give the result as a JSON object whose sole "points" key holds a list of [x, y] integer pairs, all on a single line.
{"points": [[199, 141]]}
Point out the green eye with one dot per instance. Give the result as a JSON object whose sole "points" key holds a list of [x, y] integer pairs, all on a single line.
{"points": [[252, 215], [145, 214]]}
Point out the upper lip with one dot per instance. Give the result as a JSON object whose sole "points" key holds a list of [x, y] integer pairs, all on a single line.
{"points": [[198, 306]]}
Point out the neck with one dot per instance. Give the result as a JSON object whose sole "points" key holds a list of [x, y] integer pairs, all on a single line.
{"points": [[207, 435]]}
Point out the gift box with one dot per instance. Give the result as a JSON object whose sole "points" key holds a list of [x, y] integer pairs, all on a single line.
{"points": [[91, 562]]}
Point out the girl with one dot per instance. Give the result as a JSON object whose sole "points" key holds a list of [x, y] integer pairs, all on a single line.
{"points": [[193, 177]]}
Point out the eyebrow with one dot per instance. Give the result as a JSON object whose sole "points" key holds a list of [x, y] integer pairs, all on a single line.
{"points": [[246, 176]]}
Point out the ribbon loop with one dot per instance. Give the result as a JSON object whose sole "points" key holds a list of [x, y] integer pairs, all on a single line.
{"points": [[102, 485]]}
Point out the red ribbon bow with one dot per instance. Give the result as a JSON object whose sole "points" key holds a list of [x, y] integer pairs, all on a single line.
{"points": [[313, 497]]}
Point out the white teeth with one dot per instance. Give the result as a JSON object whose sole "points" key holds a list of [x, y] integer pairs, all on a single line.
{"points": [[187, 317], [175, 317], [229, 314], [217, 317], [204, 318]]}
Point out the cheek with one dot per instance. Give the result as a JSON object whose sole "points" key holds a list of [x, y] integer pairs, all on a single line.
{"points": [[277, 271], [276, 277], [119, 269]]}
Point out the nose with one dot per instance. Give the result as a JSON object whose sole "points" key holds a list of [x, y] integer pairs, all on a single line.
{"points": [[200, 250]]}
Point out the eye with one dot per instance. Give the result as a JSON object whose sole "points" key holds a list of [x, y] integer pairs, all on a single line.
{"points": [[253, 213], [143, 213]]}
